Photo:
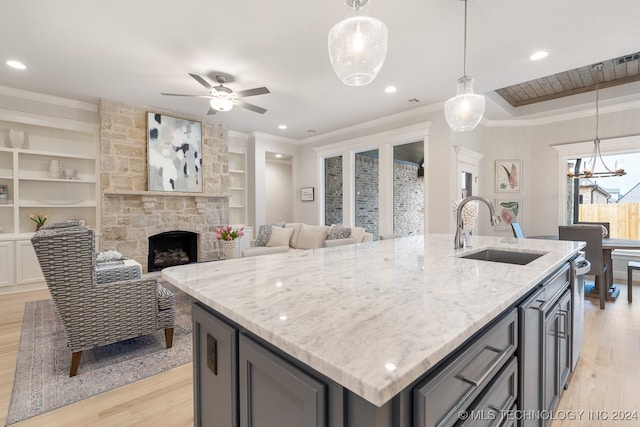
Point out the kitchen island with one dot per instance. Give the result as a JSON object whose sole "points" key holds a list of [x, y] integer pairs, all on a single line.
{"points": [[368, 321]]}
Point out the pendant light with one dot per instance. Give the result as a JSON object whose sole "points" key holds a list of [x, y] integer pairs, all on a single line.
{"points": [[464, 111], [357, 46], [590, 166]]}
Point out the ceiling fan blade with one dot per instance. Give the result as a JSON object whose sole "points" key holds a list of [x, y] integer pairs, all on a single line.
{"points": [[191, 96], [248, 106], [211, 112], [252, 92], [202, 81]]}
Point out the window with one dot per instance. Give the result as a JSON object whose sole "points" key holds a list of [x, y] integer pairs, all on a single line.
{"points": [[613, 199]]}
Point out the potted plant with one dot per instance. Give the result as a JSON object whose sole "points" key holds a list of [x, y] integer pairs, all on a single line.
{"points": [[227, 240], [39, 218]]}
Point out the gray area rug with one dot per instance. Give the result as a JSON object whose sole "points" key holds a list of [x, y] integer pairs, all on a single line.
{"points": [[42, 381]]}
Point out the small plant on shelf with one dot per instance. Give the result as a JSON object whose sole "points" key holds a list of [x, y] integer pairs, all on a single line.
{"points": [[228, 233], [39, 218]]}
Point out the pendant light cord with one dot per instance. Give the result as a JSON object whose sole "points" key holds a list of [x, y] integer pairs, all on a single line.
{"points": [[464, 57]]}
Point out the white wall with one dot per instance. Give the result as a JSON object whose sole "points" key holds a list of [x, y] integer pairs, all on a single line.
{"points": [[279, 187]]}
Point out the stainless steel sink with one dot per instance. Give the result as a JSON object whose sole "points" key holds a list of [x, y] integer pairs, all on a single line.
{"points": [[505, 256]]}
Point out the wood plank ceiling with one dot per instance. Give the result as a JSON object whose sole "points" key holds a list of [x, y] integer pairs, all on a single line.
{"points": [[616, 71]]}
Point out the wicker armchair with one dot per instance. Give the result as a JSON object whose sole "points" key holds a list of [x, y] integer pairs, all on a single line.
{"points": [[94, 312]]}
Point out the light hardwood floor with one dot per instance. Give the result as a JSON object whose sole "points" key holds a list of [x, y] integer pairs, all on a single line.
{"points": [[162, 400], [607, 379]]}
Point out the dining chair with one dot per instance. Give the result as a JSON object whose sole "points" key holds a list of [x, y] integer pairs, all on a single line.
{"points": [[592, 235], [517, 230], [606, 225]]}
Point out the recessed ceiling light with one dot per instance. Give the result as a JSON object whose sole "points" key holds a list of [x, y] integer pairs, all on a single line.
{"points": [[283, 127], [390, 89], [16, 64], [279, 156], [541, 54]]}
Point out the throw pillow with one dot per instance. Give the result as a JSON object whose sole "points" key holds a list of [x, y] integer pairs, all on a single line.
{"points": [[280, 236], [357, 234], [296, 230], [264, 233], [312, 236], [337, 231]]}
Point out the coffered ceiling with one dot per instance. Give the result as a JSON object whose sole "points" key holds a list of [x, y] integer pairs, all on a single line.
{"points": [[131, 51]]}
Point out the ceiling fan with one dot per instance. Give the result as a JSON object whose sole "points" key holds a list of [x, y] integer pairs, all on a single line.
{"points": [[221, 98]]}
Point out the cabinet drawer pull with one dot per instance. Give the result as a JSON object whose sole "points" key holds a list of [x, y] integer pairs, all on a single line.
{"points": [[544, 307], [487, 372], [564, 314]]}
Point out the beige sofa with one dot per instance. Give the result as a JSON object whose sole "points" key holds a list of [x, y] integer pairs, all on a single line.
{"points": [[281, 237]]}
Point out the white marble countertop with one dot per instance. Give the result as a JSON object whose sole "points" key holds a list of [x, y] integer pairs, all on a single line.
{"points": [[375, 316]]}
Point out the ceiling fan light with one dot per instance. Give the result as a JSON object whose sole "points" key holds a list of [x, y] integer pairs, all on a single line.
{"points": [[221, 104], [464, 111], [357, 49]]}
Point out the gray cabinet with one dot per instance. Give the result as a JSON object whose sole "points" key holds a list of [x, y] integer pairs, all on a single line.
{"points": [[557, 350], [440, 398], [274, 393], [215, 371], [545, 350]]}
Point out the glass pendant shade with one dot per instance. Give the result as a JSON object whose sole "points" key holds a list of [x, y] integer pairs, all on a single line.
{"points": [[465, 110], [357, 49], [221, 104]]}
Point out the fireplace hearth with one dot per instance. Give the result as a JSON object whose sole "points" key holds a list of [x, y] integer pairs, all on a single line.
{"points": [[172, 248]]}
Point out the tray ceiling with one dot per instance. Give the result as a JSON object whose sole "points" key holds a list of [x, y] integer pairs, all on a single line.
{"points": [[616, 71]]}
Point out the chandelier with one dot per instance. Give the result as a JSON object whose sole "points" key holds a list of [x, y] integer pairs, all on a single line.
{"points": [[465, 110], [357, 46], [589, 170]]}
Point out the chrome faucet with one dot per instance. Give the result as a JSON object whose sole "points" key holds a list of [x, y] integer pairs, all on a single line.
{"points": [[459, 239]]}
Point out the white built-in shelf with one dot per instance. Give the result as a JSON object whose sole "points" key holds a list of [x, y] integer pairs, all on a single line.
{"points": [[57, 203]]}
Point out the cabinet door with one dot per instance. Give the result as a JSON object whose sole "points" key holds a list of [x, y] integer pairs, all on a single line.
{"points": [[214, 370], [27, 265], [557, 360], [274, 393], [6, 264], [564, 337]]}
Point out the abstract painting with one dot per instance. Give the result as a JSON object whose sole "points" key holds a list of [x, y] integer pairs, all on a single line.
{"points": [[509, 210], [174, 148], [508, 176]]}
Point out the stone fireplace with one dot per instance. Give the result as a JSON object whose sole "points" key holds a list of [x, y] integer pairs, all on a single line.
{"points": [[130, 214]]}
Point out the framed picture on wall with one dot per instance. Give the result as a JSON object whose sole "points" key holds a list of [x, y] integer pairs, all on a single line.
{"points": [[509, 210], [306, 194], [174, 150], [508, 176]]}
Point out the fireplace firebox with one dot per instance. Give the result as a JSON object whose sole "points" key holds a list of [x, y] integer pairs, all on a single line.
{"points": [[172, 248]]}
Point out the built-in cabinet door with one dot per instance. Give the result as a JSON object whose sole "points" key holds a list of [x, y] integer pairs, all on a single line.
{"points": [[214, 370], [274, 393], [27, 265], [6, 264], [564, 338], [557, 361]]}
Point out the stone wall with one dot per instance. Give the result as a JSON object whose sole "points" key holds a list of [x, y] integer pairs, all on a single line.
{"points": [[333, 190], [367, 201], [408, 200], [130, 214], [408, 195]]}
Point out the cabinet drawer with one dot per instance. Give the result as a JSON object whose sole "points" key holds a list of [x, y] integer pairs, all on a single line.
{"points": [[214, 370], [439, 398], [499, 397]]}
